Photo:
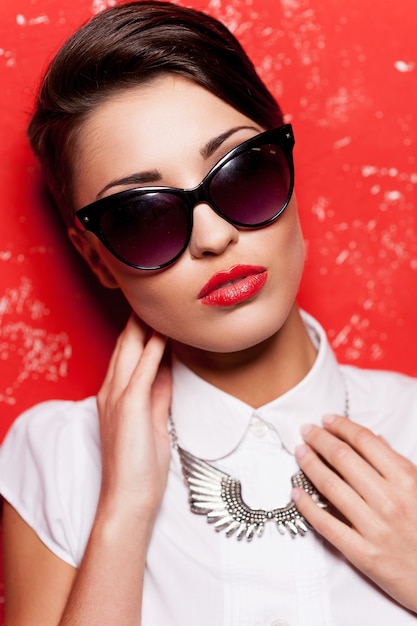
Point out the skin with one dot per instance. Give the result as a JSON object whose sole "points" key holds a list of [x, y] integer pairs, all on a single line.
{"points": [[230, 347], [375, 490]]}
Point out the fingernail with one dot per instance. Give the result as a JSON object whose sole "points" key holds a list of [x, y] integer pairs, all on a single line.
{"points": [[300, 451], [305, 429], [328, 419], [295, 494]]}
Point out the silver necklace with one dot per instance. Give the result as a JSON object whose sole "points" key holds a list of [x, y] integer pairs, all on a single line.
{"points": [[218, 495]]}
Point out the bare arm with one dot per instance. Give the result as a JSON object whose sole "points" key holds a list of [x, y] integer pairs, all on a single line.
{"points": [[108, 586], [107, 589], [36, 582], [43, 590]]}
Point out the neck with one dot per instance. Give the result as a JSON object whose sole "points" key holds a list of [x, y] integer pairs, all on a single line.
{"points": [[289, 354]]}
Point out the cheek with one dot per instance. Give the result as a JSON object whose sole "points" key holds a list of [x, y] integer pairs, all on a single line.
{"points": [[159, 301], [286, 240], [296, 251]]}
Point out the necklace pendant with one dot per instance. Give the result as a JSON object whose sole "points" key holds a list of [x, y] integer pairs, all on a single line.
{"points": [[218, 496]]}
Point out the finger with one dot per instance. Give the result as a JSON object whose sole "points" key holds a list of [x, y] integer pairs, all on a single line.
{"points": [[371, 447], [110, 367], [334, 488], [347, 461], [161, 397], [128, 416], [149, 394], [337, 532], [128, 351], [146, 368]]}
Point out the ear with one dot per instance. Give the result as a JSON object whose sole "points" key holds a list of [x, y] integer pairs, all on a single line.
{"points": [[82, 242]]}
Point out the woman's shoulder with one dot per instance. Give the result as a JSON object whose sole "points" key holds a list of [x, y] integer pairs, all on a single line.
{"points": [[385, 402], [54, 416], [49, 426], [50, 436], [50, 470], [383, 383]]}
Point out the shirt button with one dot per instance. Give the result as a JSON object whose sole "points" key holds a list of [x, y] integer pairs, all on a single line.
{"points": [[278, 622], [258, 427]]}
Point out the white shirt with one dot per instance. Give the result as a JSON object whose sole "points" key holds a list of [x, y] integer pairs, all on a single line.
{"points": [[50, 472]]}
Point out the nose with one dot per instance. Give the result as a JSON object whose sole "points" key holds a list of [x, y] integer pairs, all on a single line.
{"points": [[211, 234]]}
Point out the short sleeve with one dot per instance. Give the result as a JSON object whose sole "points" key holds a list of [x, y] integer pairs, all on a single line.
{"points": [[50, 473]]}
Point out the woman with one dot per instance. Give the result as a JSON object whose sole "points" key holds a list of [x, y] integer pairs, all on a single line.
{"points": [[170, 162]]}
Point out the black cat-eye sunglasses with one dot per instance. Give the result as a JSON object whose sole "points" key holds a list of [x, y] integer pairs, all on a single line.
{"points": [[150, 227]]}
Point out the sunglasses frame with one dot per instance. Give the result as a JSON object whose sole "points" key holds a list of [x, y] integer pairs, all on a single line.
{"points": [[89, 216]]}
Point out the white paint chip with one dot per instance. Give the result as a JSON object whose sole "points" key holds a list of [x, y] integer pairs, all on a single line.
{"points": [[341, 143], [393, 196], [21, 20], [403, 66], [39, 354]]}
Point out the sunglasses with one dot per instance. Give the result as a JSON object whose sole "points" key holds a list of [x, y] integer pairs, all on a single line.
{"points": [[149, 228]]}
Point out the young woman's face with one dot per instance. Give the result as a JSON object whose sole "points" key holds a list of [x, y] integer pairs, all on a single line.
{"points": [[161, 129]]}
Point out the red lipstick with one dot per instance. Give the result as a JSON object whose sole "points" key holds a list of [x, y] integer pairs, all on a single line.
{"points": [[230, 287]]}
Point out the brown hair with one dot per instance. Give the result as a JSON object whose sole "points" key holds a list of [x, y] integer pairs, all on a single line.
{"points": [[125, 46]]}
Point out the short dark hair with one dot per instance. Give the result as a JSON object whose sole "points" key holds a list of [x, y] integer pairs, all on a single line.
{"points": [[123, 47]]}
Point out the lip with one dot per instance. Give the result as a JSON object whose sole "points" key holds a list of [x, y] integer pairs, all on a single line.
{"points": [[235, 285]]}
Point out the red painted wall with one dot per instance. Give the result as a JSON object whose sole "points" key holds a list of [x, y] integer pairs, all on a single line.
{"points": [[345, 72]]}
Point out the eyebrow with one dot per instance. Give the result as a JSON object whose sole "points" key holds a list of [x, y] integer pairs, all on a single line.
{"points": [[214, 144], [153, 176], [139, 178]]}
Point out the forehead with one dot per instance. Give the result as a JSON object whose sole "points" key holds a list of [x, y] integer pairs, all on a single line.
{"points": [[156, 106], [151, 126]]}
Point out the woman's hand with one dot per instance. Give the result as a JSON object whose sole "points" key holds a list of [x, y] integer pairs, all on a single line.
{"points": [[375, 491], [133, 405]]}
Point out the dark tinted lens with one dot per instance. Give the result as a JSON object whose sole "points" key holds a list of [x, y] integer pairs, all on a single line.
{"points": [[147, 230], [253, 187]]}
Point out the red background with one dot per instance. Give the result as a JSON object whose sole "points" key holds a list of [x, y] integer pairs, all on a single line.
{"points": [[345, 73]]}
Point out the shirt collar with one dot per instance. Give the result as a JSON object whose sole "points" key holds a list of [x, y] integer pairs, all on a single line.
{"points": [[211, 424]]}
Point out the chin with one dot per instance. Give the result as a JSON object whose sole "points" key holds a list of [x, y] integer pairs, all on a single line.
{"points": [[240, 337]]}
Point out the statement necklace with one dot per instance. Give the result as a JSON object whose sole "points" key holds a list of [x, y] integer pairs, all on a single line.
{"points": [[218, 495]]}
